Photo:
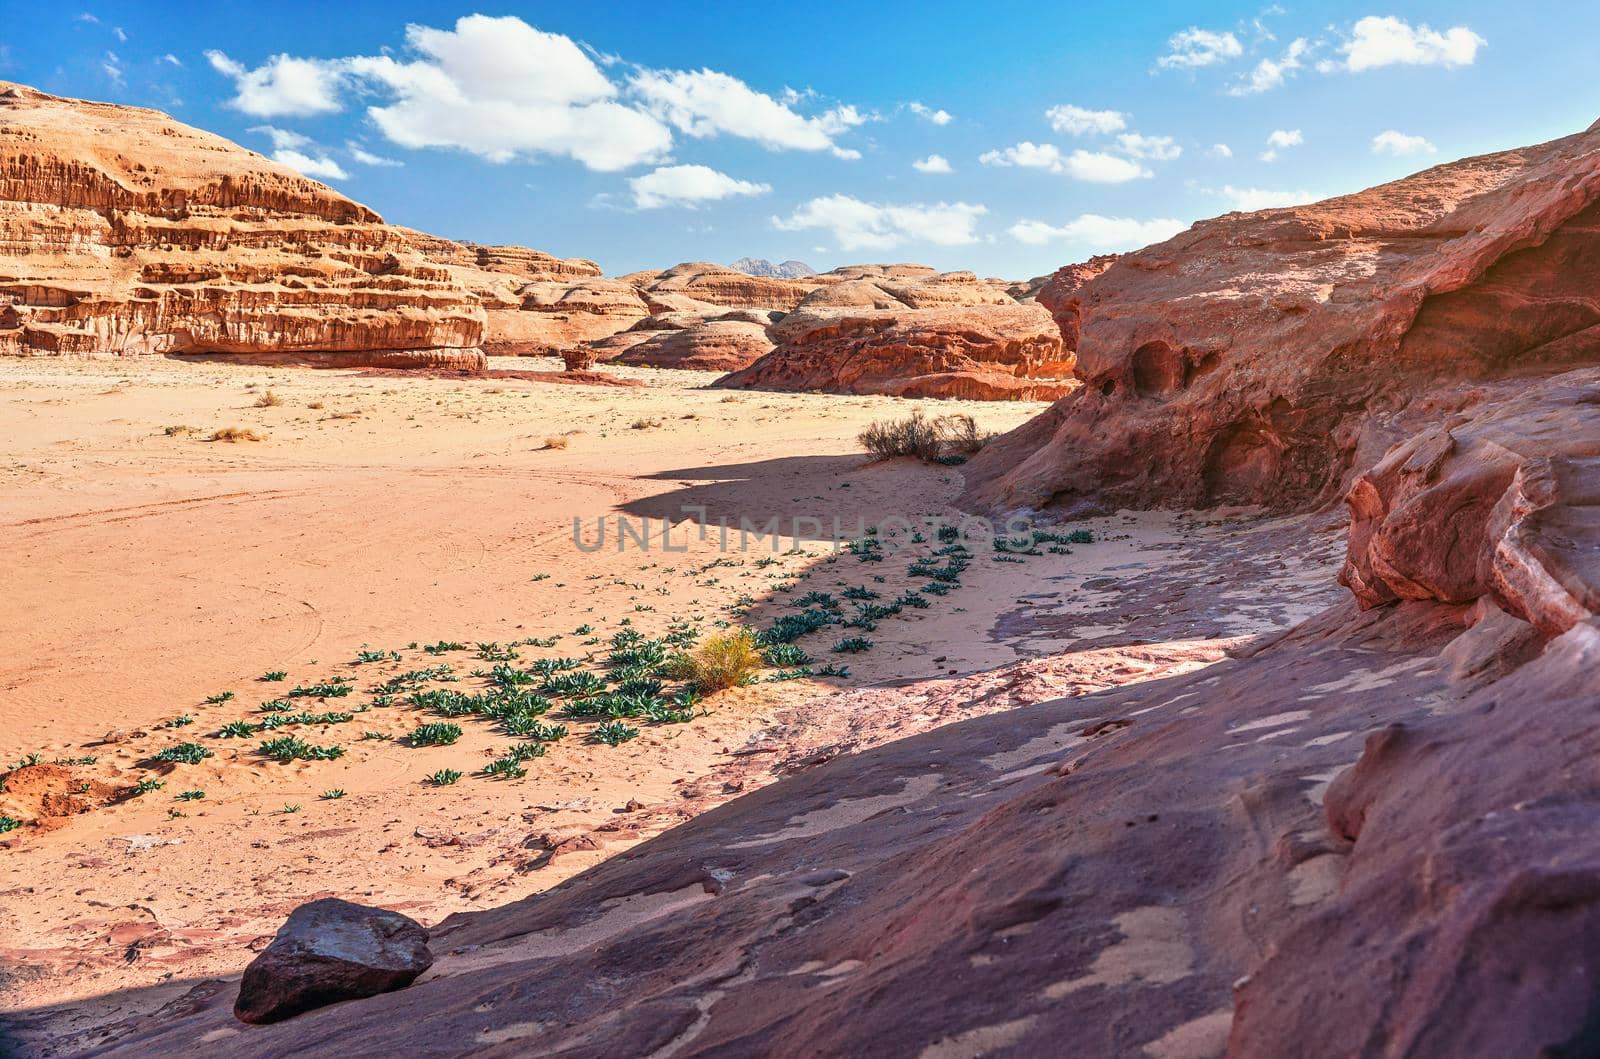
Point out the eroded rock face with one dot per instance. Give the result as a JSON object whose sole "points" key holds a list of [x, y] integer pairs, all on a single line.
{"points": [[123, 232], [327, 951], [1240, 361], [1001, 351]]}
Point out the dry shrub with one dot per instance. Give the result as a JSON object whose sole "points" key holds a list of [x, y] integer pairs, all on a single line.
{"points": [[923, 438], [727, 660], [236, 434], [174, 431], [556, 441], [645, 424], [268, 400]]}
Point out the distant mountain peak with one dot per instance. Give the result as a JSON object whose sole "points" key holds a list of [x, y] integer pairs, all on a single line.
{"points": [[760, 266]]}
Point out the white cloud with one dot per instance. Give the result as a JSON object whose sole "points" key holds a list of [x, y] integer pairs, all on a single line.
{"points": [[1155, 148], [934, 163], [301, 152], [1249, 199], [312, 166], [502, 89], [111, 65], [705, 103], [1077, 121], [120, 33], [1194, 47], [86, 17], [1398, 143], [1091, 231], [1281, 139], [858, 225], [283, 139], [1385, 41], [1220, 150], [688, 185], [172, 59], [283, 86], [366, 157], [1270, 73], [938, 117], [1096, 167]]}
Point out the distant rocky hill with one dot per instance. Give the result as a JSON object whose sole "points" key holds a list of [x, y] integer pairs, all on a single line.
{"points": [[760, 266]]}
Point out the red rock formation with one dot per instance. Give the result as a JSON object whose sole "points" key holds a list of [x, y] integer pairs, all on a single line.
{"points": [[988, 352], [124, 232], [1241, 361]]}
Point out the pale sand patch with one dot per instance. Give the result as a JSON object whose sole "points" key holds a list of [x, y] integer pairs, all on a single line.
{"points": [[978, 1042], [1203, 1038], [1152, 949], [845, 813], [1274, 721]]}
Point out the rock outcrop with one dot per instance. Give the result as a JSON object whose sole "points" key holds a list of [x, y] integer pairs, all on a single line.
{"points": [[721, 341], [123, 232], [327, 951], [976, 352], [760, 266], [1256, 357]]}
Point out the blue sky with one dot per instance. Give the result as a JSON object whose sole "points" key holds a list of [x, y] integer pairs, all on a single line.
{"points": [[1005, 140]]}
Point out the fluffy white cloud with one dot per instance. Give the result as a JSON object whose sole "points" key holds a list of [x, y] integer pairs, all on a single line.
{"points": [[1091, 231], [934, 163], [301, 152], [1155, 148], [1270, 73], [1096, 167], [1220, 150], [704, 103], [1281, 139], [938, 117], [688, 185], [502, 89], [1199, 47], [366, 157], [1077, 121], [111, 65], [858, 225], [311, 165], [1397, 143], [1386, 40], [1249, 199], [283, 86], [171, 59]]}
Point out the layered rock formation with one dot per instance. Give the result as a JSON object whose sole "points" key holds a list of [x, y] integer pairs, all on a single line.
{"points": [[124, 232], [760, 266], [1259, 358], [910, 332]]}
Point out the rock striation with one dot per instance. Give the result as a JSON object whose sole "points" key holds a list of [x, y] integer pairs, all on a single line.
{"points": [[910, 332], [760, 266], [1260, 358]]}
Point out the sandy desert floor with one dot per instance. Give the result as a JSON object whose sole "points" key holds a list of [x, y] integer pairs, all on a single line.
{"points": [[145, 570]]}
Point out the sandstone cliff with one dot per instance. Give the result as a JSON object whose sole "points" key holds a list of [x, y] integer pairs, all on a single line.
{"points": [[124, 232], [1258, 358]]}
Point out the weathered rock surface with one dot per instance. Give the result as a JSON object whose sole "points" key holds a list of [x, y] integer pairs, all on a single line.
{"points": [[327, 951], [760, 266], [1243, 360], [717, 344], [979, 352], [124, 232]]}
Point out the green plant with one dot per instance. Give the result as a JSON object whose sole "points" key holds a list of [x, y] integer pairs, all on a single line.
{"points": [[219, 698], [376, 735], [333, 794], [506, 768], [435, 734], [178, 722], [614, 733], [237, 730], [274, 675], [493, 652], [444, 777], [337, 688], [914, 600], [191, 796], [443, 646], [184, 754], [364, 656], [291, 809], [9, 823], [859, 592], [833, 669], [293, 748], [145, 786], [852, 645], [785, 654]]}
